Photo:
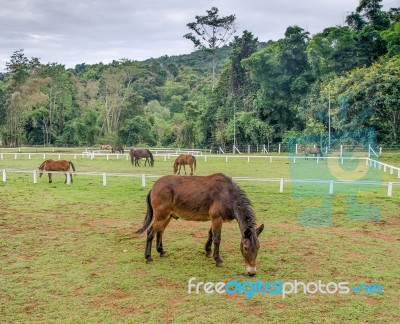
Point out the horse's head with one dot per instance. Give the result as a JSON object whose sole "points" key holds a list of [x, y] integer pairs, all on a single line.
{"points": [[176, 164], [41, 168], [249, 247]]}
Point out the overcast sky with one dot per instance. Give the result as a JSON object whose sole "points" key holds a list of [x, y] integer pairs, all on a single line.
{"points": [[92, 31]]}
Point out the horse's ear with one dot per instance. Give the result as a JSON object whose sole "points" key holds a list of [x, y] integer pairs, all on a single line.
{"points": [[260, 229]]}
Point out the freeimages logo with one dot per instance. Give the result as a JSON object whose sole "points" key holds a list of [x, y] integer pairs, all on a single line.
{"points": [[249, 289]]}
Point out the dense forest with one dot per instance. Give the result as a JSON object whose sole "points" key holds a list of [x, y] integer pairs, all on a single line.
{"points": [[345, 79]]}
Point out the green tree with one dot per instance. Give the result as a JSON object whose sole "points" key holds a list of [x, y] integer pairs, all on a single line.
{"points": [[211, 32]]}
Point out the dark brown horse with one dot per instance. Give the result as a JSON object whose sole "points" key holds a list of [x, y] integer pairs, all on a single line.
{"points": [[202, 198], [57, 165], [140, 153], [185, 159], [312, 150], [117, 148]]}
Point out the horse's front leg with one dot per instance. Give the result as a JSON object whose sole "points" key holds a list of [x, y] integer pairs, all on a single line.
{"points": [[216, 230], [149, 241], [50, 180], [184, 169], [208, 243], [191, 169]]}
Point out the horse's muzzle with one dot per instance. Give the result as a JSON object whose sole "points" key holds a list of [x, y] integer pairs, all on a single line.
{"points": [[251, 270]]}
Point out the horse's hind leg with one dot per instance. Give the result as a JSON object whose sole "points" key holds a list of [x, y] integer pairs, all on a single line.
{"points": [[159, 229], [191, 169], [50, 180], [149, 241], [208, 243]]}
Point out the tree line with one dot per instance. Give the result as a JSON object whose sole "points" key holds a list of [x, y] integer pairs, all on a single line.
{"points": [[346, 77]]}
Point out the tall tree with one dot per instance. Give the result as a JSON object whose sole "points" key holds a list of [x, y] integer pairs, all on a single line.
{"points": [[211, 32]]}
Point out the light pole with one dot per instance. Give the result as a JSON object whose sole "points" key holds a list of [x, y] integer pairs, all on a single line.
{"points": [[329, 118]]}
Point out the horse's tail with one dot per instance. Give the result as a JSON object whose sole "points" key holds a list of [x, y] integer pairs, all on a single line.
{"points": [[151, 158], [149, 216], [194, 162], [72, 165]]}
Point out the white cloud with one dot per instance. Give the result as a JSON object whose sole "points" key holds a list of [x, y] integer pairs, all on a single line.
{"points": [[74, 31]]}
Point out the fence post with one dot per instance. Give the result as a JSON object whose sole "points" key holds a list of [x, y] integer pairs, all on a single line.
{"points": [[15, 156], [331, 187], [279, 148], [4, 175], [281, 186], [248, 159], [390, 189], [68, 178], [35, 176], [104, 179], [1, 156], [143, 180]]}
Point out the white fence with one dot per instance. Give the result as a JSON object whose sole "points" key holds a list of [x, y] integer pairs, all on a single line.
{"points": [[167, 155], [281, 181]]}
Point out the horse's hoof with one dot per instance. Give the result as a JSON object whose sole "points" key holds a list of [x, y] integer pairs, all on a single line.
{"points": [[149, 260], [163, 254], [208, 254], [220, 264]]}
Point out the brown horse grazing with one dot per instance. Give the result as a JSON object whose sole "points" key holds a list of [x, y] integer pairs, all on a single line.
{"points": [[106, 147], [58, 165], [202, 198], [139, 153], [312, 150], [117, 148], [185, 159]]}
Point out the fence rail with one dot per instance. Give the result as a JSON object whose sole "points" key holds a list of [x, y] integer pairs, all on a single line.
{"points": [[143, 177]]}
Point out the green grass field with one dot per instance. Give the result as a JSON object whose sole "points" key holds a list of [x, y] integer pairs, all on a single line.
{"points": [[68, 253]]}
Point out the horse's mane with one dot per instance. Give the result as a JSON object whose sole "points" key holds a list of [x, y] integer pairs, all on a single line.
{"points": [[243, 209]]}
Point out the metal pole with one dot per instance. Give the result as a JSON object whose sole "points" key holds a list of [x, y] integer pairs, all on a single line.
{"points": [[329, 118]]}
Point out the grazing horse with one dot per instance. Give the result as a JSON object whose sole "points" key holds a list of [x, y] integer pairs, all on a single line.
{"points": [[117, 148], [185, 159], [140, 153], [58, 165], [312, 150], [202, 198], [106, 147]]}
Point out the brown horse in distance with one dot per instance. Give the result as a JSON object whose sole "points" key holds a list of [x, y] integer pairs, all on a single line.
{"points": [[117, 148], [56, 165], [202, 198], [185, 159], [140, 153], [312, 150], [106, 147]]}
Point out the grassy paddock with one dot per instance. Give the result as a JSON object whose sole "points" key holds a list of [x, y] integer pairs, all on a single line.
{"points": [[68, 252]]}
